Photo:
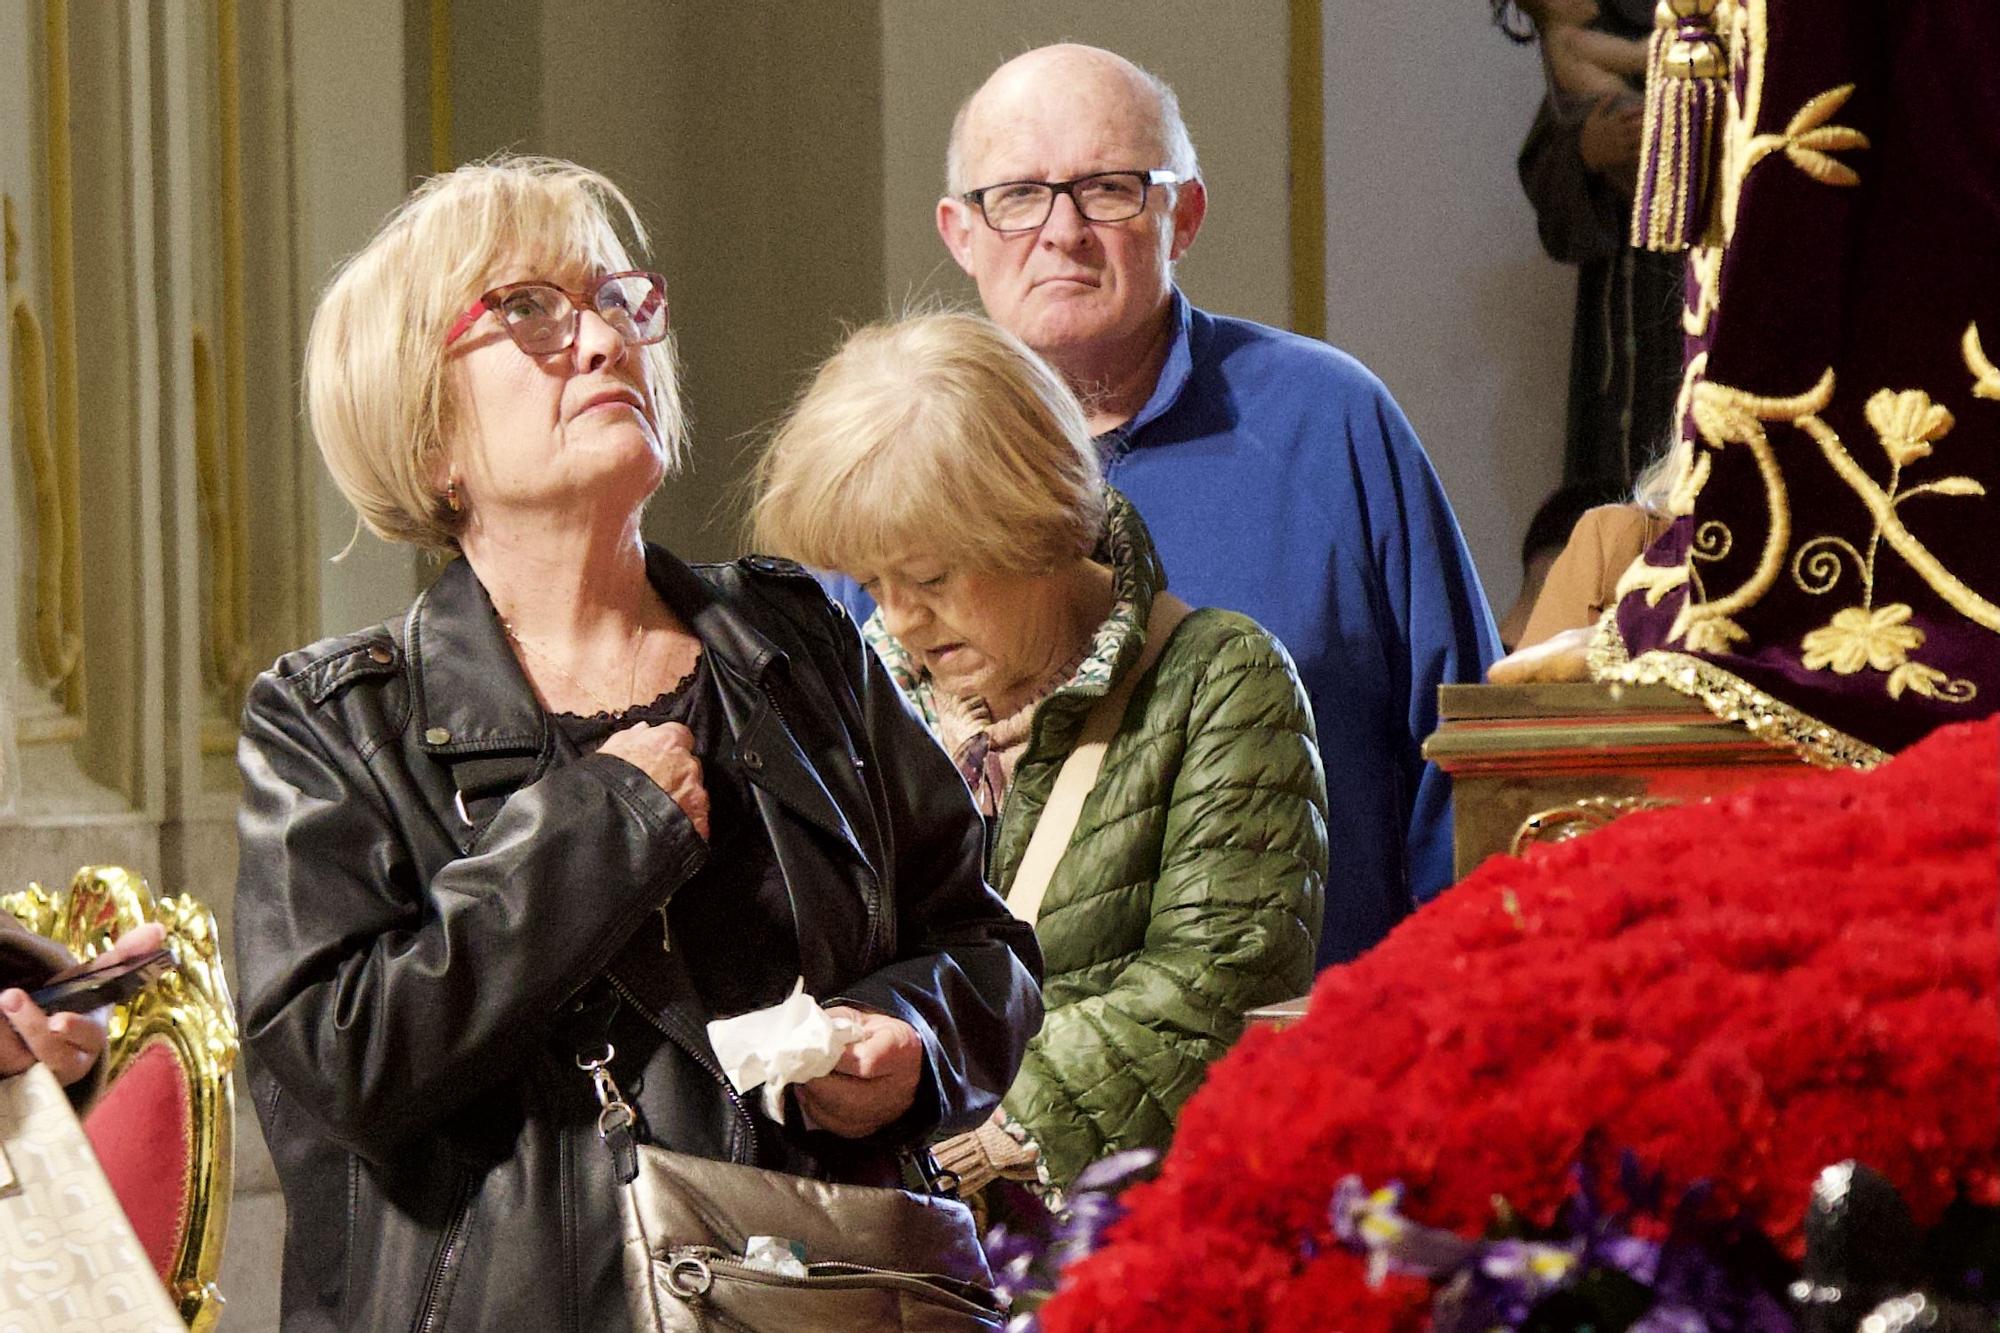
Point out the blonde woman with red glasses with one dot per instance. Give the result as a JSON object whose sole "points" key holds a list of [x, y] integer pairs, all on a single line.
{"points": [[579, 800]]}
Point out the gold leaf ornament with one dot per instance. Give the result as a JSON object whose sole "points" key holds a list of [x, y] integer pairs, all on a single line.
{"points": [[1656, 580], [1881, 640], [1727, 415], [1810, 139], [1723, 416], [1944, 486], [1817, 111], [1917, 679], [1689, 487], [1907, 423], [1985, 375], [1714, 634]]}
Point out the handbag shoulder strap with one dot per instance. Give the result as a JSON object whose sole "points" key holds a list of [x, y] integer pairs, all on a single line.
{"points": [[1079, 772]]}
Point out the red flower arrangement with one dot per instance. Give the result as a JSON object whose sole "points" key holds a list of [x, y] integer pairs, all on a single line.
{"points": [[1739, 992]]}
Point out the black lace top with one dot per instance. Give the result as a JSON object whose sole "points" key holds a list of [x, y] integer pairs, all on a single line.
{"points": [[735, 908]]}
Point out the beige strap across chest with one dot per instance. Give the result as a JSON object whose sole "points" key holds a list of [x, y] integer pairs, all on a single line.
{"points": [[1079, 772]]}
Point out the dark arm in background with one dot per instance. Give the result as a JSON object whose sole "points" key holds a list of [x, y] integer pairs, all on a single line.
{"points": [[1581, 214]]}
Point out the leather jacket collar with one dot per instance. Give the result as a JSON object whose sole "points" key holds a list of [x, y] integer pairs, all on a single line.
{"points": [[464, 706], [475, 711]]}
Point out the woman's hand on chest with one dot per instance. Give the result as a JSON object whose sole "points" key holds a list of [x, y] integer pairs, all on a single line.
{"points": [[665, 753]]}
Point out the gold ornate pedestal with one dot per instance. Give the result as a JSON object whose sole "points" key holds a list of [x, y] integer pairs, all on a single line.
{"points": [[1540, 763]]}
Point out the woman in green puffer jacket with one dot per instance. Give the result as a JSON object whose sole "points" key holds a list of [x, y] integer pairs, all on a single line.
{"points": [[947, 469]]}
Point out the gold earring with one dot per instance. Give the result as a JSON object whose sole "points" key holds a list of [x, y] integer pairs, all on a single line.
{"points": [[451, 500]]}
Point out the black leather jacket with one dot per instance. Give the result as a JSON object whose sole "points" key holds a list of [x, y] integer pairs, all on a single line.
{"points": [[415, 985]]}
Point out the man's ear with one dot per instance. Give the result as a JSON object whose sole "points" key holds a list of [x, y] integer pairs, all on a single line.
{"points": [[954, 226], [1190, 207]]}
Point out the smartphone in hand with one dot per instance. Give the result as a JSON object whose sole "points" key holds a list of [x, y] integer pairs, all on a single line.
{"points": [[88, 988]]}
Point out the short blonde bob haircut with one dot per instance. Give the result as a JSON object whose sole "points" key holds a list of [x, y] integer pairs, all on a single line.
{"points": [[936, 437], [375, 384]]}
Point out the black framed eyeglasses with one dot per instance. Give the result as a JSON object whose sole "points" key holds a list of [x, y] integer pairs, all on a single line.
{"points": [[542, 317], [1106, 196]]}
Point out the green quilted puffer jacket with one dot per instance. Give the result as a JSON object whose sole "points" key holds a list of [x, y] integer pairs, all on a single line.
{"points": [[1191, 889]]}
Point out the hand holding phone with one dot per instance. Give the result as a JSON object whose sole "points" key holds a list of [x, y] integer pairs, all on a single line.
{"points": [[83, 989], [70, 1043]]}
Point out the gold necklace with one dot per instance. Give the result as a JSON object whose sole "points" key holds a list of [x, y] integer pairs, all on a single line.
{"points": [[631, 682]]}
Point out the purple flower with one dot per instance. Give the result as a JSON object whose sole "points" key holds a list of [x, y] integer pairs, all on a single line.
{"points": [[1028, 1257], [1635, 1258], [1372, 1223], [1670, 1319], [1116, 1171]]}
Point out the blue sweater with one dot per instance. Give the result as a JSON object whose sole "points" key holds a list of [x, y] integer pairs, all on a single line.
{"points": [[1280, 479]]}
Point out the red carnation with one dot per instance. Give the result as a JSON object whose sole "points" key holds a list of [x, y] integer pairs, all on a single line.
{"points": [[1740, 992]]}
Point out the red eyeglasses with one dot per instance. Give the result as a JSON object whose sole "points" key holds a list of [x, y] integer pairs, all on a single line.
{"points": [[542, 317]]}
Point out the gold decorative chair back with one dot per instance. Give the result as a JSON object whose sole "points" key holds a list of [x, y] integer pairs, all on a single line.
{"points": [[184, 1024]]}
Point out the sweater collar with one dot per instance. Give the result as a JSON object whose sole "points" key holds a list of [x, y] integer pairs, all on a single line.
{"points": [[1174, 372]]}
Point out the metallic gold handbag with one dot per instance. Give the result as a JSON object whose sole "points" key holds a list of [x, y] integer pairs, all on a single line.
{"points": [[875, 1258], [68, 1257]]}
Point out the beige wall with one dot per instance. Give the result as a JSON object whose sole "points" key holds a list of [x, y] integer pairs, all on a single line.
{"points": [[1226, 63], [349, 170], [1434, 276], [749, 138]]}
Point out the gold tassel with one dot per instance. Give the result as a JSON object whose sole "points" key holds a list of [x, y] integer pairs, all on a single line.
{"points": [[1687, 80]]}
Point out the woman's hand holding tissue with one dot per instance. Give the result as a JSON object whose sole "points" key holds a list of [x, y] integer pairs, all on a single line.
{"points": [[875, 1081]]}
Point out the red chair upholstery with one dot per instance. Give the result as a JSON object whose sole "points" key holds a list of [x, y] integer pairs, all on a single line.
{"points": [[162, 1124], [142, 1129]]}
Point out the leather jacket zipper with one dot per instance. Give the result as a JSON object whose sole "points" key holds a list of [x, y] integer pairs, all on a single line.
{"points": [[447, 1253], [871, 885], [701, 1056]]}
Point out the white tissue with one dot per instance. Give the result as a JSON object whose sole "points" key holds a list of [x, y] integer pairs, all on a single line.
{"points": [[775, 1254], [793, 1042]]}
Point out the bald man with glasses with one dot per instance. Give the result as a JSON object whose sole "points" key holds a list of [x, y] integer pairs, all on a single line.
{"points": [[1276, 474]]}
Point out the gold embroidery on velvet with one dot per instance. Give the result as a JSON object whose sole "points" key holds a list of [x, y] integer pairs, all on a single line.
{"points": [[1712, 541], [1708, 634], [1931, 683], [1907, 424], [1985, 375], [1816, 565], [1877, 638], [1744, 26], [1681, 503], [1694, 474], [1657, 580], [1882, 505], [1809, 142], [1734, 23], [1705, 263], [1741, 28], [1880, 639], [1724, 416], [1730, 698]]}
